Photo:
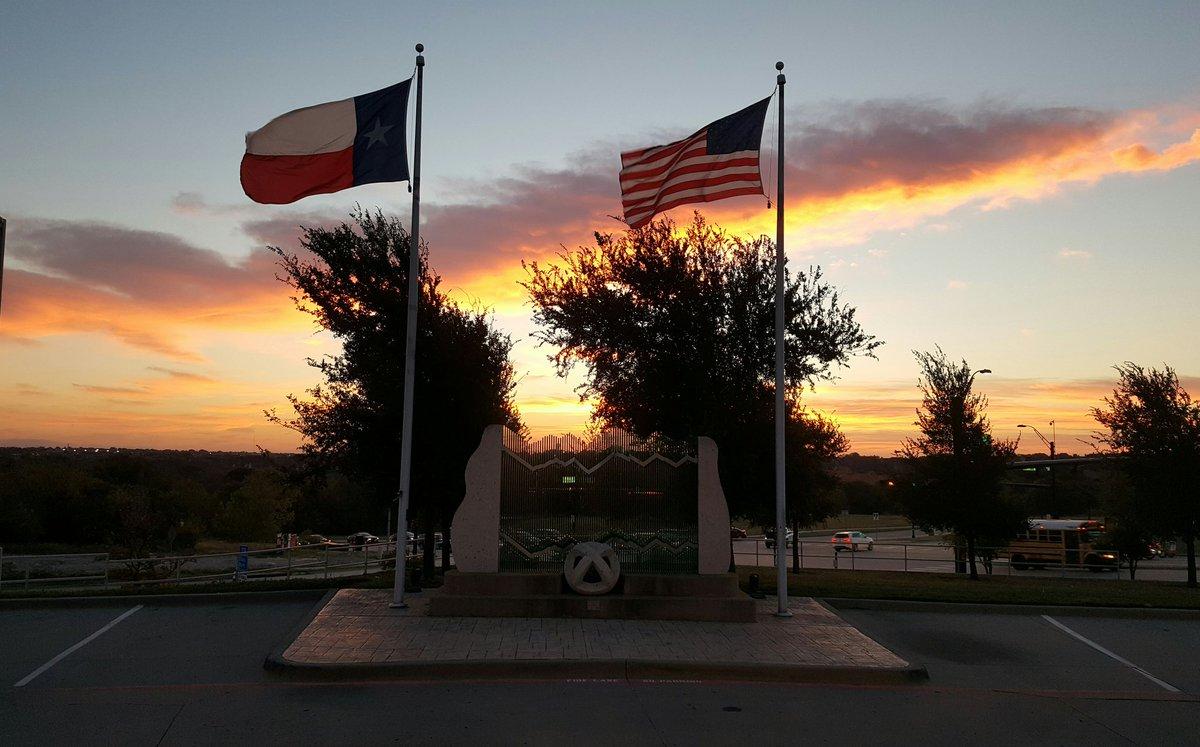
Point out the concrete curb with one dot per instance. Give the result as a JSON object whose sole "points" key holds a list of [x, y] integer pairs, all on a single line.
{"points": [[906, 605], [276, 653], [172, 600], [613, 669]]}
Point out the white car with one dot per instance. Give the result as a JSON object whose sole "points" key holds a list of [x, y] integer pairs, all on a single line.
{"points": [[770, 539], [852, 541]]}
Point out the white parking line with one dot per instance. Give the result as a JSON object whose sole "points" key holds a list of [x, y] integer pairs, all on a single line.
{"points": [[29, 677], [1164, 685]]}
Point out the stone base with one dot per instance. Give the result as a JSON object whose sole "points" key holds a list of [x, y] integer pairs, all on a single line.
{"points": [[713, 598]]}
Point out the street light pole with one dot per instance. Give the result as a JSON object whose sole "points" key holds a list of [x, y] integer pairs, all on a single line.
{"points": [[1053, 453]]}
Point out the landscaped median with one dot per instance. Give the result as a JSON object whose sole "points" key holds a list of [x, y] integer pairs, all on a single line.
{"points": [[958, 588]]}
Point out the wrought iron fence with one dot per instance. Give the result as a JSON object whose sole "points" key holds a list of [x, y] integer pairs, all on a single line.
{"points": [[81, 570], [936, 557], [637, 495]]}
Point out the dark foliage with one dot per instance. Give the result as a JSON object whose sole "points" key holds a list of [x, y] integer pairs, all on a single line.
{"points": [[676, 331], [955, 467], [1153, 422], [139, 503], [353, 280]]}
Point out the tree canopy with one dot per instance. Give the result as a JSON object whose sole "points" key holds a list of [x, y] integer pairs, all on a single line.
{"points": [[955, 466], [1153, 422], [353, 279], [675, 328]]}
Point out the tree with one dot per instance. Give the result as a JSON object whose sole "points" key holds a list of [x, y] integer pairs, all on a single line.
{"points": [[955, 466], [813, 442], [257, 508], [353, 279], [676, 332], [1153, 422], [1129, 534]]}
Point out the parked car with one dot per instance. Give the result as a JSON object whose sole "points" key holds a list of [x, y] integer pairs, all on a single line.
{"points": [[852, 541], [770, 535], [737, 533], [359, 539]]}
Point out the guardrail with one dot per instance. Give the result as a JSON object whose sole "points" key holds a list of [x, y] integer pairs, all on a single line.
{"points": [[101, 569], [932, 557]]}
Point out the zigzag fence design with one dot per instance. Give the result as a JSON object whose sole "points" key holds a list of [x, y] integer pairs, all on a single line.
{"points": [[637, 495]]}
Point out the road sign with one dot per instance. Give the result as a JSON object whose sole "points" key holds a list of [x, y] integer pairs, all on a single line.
{"points": [[243, 563]]}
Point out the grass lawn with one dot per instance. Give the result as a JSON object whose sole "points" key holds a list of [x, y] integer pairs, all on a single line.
{"points": [[863, 522], [375, 581], [215, 546], [945, 587]]}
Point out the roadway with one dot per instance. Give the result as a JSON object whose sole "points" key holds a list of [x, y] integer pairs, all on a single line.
{"points": [[193, 674], [897, 551]]}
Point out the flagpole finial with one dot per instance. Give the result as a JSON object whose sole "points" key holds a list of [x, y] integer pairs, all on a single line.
{"points": [[420, 57], [780, 79], [778, 65], [421, 48]]}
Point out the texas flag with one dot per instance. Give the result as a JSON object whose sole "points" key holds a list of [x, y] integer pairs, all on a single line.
{"points": [[328, 147]]}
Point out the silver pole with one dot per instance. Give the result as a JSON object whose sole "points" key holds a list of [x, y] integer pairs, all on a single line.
{"points": [[410, 352], [3, 226], [780, 404]]}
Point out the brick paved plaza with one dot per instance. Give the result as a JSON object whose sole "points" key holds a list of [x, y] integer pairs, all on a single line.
{"points": [[358, 627]]}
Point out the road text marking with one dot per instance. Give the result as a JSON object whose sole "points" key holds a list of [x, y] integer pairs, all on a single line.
{"points": [[29, 677], [1164, 685]]}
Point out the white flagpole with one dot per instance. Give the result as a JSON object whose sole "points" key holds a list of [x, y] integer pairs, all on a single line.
{"points": [[781, 578], [410, 353]]}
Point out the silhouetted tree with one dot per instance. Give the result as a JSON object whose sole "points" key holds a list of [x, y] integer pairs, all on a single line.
{"points": [[813, 443], [955, 466], [1154, 423], [1129, 533], [353, 279], [676, 331], [257, 508]]}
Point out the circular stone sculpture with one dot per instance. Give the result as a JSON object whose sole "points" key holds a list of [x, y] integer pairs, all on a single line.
{"points": [[592, 568]]}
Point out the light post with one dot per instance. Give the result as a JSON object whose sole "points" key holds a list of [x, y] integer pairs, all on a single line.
{"points": [[1050, 443]]}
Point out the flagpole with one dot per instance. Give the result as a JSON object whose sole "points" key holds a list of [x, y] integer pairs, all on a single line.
{"points": [[781, 578], [3, 227], [410, 353]]}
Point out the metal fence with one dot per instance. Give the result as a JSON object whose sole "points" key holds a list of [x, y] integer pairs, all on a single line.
{"points": [[639, 496], [934, 557], [103, 570]]}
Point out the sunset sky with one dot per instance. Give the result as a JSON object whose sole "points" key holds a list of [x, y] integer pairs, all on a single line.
{"points": [[1015, 182]]}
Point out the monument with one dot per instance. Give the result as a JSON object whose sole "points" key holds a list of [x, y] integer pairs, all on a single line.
{"points": [[610, 527]]}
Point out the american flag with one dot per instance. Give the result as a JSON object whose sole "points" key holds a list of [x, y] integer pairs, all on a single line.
{"points": [[719, 161]]}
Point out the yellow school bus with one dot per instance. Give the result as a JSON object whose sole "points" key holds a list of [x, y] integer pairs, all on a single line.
{"points": [[1071, 543]]}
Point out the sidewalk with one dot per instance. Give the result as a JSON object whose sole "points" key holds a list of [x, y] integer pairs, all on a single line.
{"points": [[355, 635]]}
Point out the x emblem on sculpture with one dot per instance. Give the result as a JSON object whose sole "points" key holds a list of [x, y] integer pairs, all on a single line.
{"points": [[592, 568]]}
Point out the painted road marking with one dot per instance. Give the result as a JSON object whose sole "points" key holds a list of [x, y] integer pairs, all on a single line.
{"points": [[29, 677], [1164, 685]]}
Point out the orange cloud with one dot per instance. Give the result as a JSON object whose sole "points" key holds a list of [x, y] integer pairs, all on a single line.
{"points": [[852, 171], [146, 289]]}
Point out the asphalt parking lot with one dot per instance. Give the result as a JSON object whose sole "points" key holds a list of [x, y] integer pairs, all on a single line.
{"points": [[193, 675]]}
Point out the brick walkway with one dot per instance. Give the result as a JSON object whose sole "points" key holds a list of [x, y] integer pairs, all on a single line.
{"points": [[358, 627]]}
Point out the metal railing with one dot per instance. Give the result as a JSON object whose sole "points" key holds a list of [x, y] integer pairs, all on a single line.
{"points": [[937, 557], [326, 560]]}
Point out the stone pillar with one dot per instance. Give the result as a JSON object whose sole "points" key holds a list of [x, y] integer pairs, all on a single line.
{"points": [[712, 512], [476, 526]]}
